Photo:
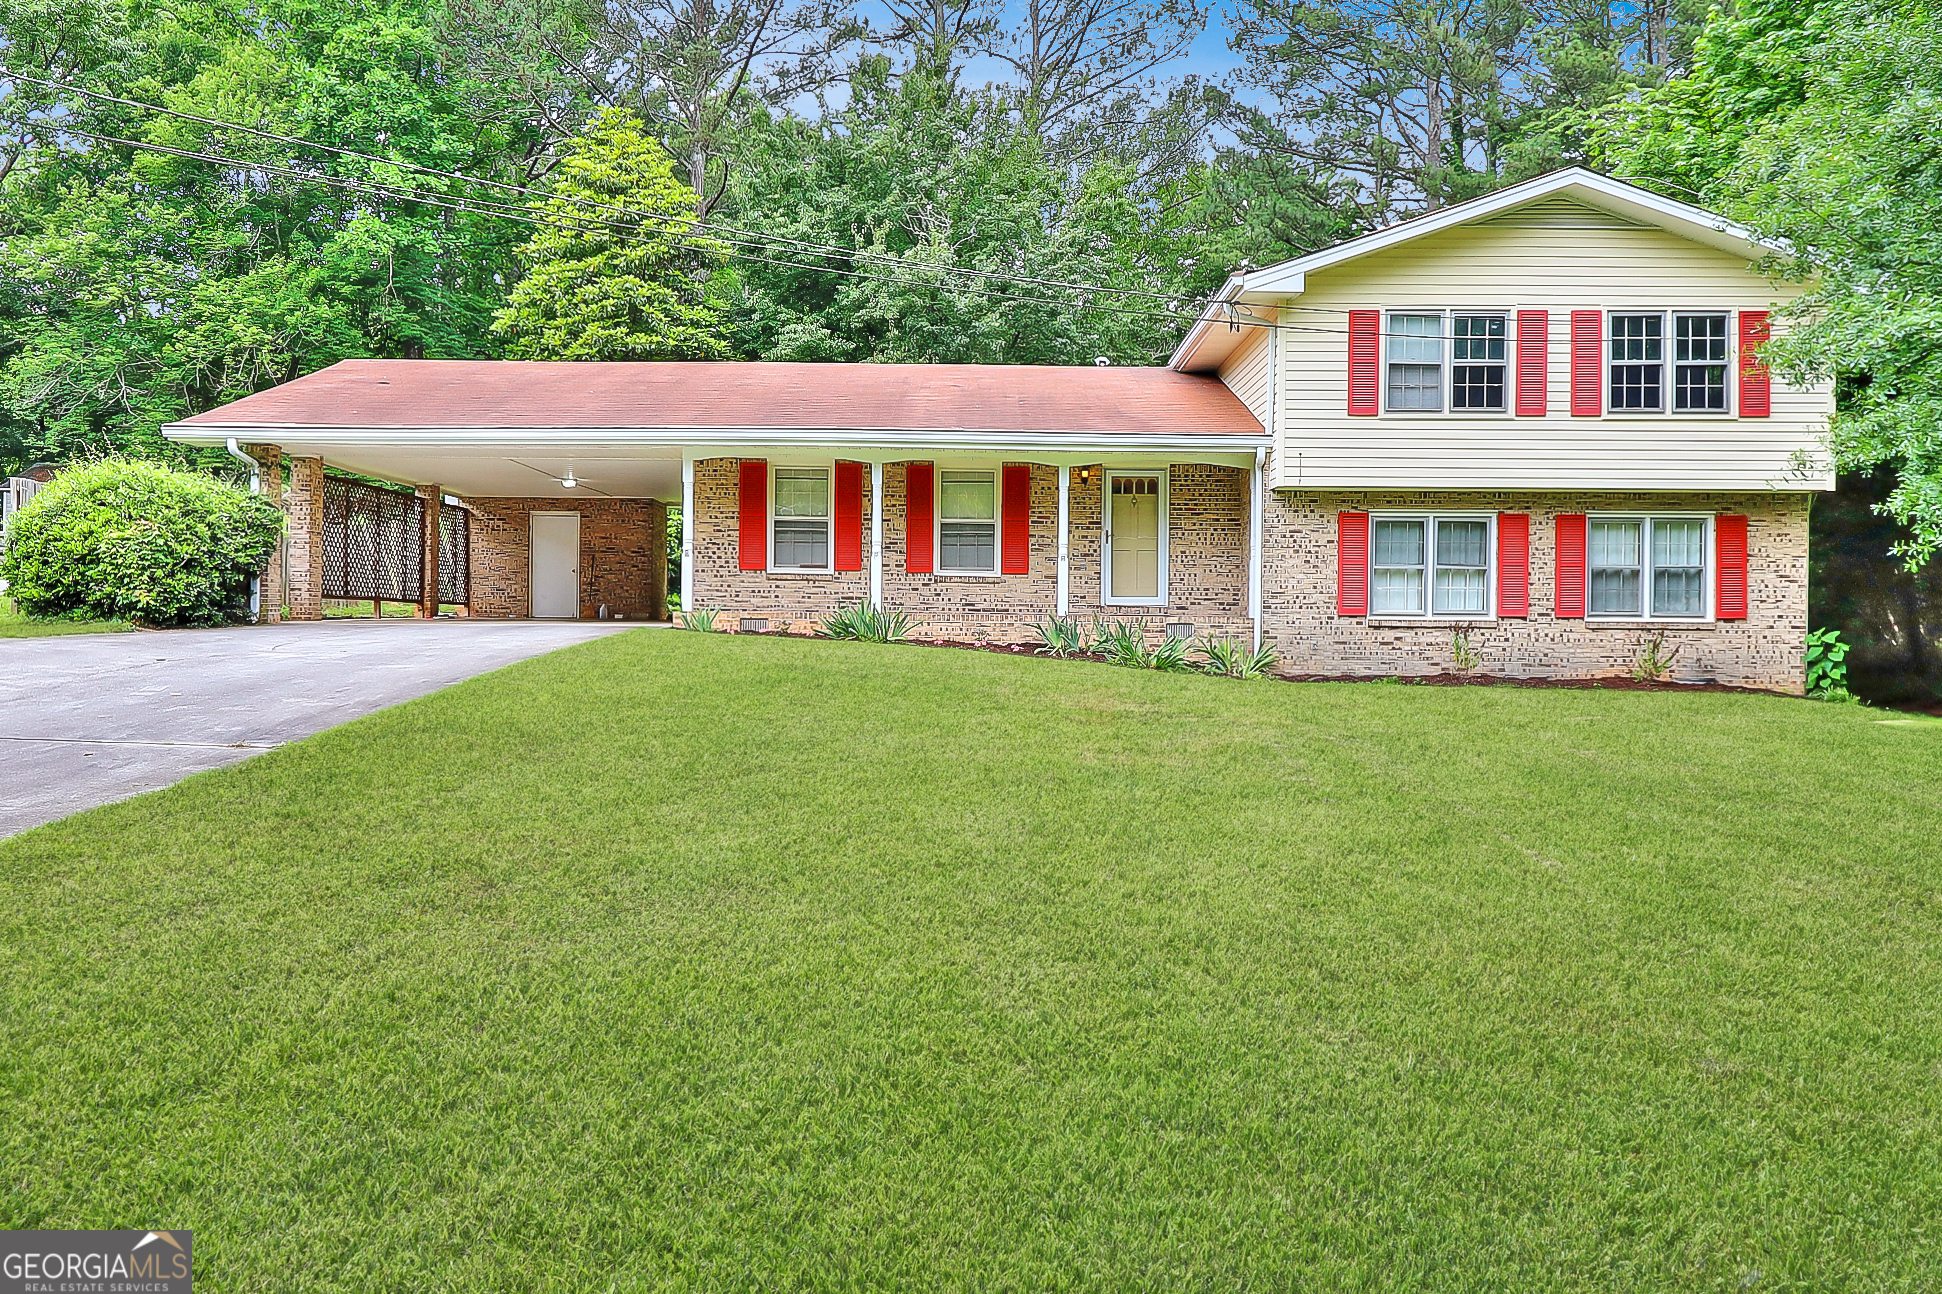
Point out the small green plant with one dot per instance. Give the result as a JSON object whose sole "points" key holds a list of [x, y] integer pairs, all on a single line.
{"points": [[1462, 653], [1169, 656], [864, 623], [701, 619], [1123, 642], [1060, 637], [1234, 658], [1827, 666], [1653, 662]]}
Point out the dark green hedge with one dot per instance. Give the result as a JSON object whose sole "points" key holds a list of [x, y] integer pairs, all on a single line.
{"points": [[135, 541]]}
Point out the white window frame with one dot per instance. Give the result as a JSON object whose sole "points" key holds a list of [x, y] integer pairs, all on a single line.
{"points": [[1606, 362], [1510, 363], [1708, 574], [1731, 362], [1106, 535], [1446, 327], [828, 469], [997, 522], [1430, 519]]}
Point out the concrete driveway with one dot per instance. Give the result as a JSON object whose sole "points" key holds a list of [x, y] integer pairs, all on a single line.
{"points": [[91, 719]]}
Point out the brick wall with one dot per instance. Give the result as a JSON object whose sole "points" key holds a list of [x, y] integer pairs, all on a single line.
{"points": [[1299, 588], [1207, 545], [305, 536], [623, 555]]}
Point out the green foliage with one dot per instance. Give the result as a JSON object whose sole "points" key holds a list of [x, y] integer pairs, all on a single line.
{"points": [[1653, 662], [1827, 669], [1234, 658], [866, 624], [126, 540], [1123, 642], [1059, 636], [606, 284], [1462, 654], [701, 619]]}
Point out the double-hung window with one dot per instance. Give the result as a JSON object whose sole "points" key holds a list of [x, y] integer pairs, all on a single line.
{"points": [[1637, 362], [1647, 567], [1437, 566], [967, 522], [1477, 362], [1699, 363], [801, 519], [1416, 363]]}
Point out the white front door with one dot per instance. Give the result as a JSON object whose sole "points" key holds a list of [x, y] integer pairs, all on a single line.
{"points": [[556, 565], [1133, 543]]}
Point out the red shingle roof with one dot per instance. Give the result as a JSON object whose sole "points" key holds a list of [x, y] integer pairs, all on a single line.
{"points": [[384, 393]]}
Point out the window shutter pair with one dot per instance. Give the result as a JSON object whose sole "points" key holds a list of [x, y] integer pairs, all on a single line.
{"points": [[1533, 359], [1513, 564], [846, 516], [1729, 559], [1014, 513]]}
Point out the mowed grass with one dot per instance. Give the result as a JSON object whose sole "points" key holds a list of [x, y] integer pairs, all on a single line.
{"points": [[699, 962], [15, 625]]}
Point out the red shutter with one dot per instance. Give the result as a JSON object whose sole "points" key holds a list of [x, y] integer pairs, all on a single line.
{"points": [[1352, 564], [1587, 363], [754, 514], [1729, 551], [1570, 602], [1016, 550], [1365, 328], [849, 517], [918, 528], [1513, 564], [1756, 384], [1533, 362]]}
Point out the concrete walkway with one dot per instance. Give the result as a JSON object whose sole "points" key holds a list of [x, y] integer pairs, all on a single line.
{"points": [[95, 718]]}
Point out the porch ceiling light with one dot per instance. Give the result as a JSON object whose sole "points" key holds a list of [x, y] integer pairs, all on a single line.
{"points": [[568, 480]]}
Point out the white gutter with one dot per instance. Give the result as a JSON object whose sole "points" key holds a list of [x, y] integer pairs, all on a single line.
{"points": [[967, 440], [255, 488]]}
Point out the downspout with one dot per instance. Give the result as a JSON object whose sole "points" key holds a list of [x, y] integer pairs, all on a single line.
{"points": [[255, 487], [1254, 543]]}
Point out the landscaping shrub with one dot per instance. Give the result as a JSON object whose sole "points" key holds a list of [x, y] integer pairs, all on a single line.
{"points": [[863, 623], [137, 541]]}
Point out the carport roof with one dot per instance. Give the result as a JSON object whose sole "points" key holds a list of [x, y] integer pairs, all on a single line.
{"points": [[375, 395]]}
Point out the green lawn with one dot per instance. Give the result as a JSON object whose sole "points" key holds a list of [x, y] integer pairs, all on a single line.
{"points": [[15, 625], [712, 963]]}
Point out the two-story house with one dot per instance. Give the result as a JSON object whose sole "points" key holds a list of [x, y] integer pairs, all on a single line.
{"points": [[1538, 418]]}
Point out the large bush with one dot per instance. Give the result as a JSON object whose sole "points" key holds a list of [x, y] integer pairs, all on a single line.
{"points": [[135, 541]]}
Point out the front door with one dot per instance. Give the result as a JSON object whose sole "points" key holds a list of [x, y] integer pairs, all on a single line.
{"points": [[1134, 542], [556, 565]]}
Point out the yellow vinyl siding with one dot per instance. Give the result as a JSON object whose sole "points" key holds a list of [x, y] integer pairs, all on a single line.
{"points": [[1557, 269], [1246, 373]]}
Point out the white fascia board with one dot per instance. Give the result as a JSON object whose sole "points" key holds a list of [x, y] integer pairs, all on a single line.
{"points": [[968, 440], [1213, 337]]}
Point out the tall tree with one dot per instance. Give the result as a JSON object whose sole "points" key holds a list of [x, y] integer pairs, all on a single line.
{"points": [[601, 284]]}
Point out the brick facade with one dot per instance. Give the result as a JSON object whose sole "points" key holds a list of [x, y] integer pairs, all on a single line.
{"points": [[623, 556], [1299, 586], [1206, 538], [305, 536]]}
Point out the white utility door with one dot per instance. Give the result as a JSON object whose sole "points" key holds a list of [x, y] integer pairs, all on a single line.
{"points": [[556, 565], [1134, 550]]}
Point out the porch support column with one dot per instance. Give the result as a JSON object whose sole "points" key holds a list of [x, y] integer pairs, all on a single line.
{"points": [[428, 580], [270, 578], [1256, 508], [876, 536], [1065, 546], [306, 539], [657, 564], [687, 535]]}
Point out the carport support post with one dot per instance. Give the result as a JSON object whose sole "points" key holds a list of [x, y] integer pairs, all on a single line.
{"points": [[270, 579], [428, 579], [306, 539], [687, 535]]}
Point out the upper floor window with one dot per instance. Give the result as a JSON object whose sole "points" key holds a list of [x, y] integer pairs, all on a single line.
{"points": [[1477, 362], [967, 521], [1416, 363], [1699, 363], [801, 519], [1637, 362]]}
